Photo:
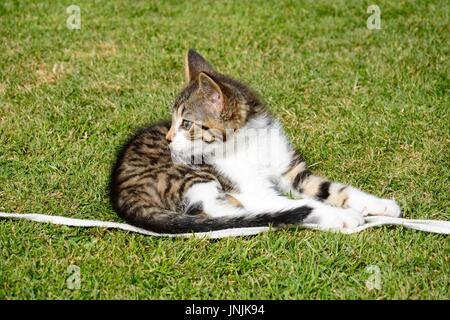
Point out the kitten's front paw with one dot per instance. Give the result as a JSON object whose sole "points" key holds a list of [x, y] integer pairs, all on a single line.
{"points": [[382, 207], [335, 218], [371, 205]]}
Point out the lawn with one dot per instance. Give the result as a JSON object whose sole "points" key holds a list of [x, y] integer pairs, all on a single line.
{"points": [[365, 107]]}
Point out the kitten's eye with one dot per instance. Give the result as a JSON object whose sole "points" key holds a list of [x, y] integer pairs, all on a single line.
{"points": [[186, 124]]}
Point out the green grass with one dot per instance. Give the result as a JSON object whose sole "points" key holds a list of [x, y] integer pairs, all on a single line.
{"points": [[365, 107]]}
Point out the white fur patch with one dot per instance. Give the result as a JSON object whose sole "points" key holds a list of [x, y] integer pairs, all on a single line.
{"points": [[207, 194], [255, 158]]}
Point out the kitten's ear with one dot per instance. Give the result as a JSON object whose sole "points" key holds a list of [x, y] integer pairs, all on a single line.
{"points": [[195, 64], [212, 93]]}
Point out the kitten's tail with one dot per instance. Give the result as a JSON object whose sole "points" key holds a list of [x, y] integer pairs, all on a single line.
{"points": [[175, 223]]}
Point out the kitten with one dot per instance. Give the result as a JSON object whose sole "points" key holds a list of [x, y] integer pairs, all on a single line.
{"points": [[224, 162]]}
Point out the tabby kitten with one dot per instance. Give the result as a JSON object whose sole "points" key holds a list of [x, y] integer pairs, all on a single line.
{"points": [[224, 162]]}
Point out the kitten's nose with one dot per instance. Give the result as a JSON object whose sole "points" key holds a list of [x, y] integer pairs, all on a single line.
{"points": [[170, 134]]}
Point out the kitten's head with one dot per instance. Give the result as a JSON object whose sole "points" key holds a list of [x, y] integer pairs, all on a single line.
{"points": [[209, 109]]}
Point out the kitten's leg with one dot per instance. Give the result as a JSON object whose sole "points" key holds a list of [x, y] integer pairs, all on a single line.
{"points": [[302, 182], [321, 214], [334, 218], [209, 198]]}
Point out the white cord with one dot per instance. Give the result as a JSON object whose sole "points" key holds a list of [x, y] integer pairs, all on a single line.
{"points": [[434, 226]]}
